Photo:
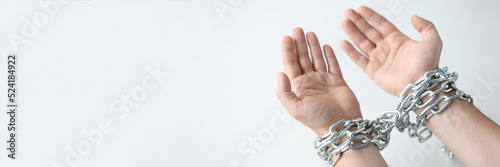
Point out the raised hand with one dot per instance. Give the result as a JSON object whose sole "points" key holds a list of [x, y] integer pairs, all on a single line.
{"points": [[392, 59], [312, 91]]}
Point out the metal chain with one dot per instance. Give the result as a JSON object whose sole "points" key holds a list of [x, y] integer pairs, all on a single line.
{"points": [[361, 132], [424, 87]]}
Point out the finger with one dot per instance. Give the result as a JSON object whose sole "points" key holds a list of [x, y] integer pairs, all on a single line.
{"points": [[379, 22], [317, 56], [355, 56], [301, 47], [371, 33], [289, 57], [426, 29], [358, 38], [284, 92], [333, 64]]}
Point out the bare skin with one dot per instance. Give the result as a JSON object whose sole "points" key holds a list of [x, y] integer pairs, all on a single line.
{"points": [[468, 133], [391, 54], [315, 93]]}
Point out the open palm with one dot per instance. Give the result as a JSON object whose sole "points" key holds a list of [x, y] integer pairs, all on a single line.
{"points": [[313, 94], [392, 59]]}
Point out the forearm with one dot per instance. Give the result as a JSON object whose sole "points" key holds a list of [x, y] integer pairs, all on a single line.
{"points": [[469, 134], [368, 156]]}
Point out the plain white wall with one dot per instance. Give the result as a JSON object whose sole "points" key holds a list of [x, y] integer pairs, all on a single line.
{"points": [[217, 106]]}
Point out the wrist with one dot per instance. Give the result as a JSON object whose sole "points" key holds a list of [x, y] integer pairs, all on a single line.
{"points": [[418, 74], [439, 105], [428, 97], [354, 137], [320, 132], [452, 117]]}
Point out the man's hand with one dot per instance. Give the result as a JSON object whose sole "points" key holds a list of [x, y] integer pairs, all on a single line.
{"points": [[313, 94], [392, 59]]}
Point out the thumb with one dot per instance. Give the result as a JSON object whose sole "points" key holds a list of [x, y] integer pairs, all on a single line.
{"points": [[426, 28], [284, 92]]}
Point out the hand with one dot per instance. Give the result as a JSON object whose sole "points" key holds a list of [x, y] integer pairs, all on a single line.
{"points": [[314, 95], [393, 60]]}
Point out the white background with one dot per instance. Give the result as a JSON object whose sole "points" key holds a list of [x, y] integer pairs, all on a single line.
{"points": [[220, 91]]}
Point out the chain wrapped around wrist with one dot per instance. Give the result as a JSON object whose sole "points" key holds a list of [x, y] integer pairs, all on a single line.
{"points": [[361, 132], [427, 87]]}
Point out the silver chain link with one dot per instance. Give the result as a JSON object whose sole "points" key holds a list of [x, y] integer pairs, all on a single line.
{"points": [[361, 132], [424, 87]]}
